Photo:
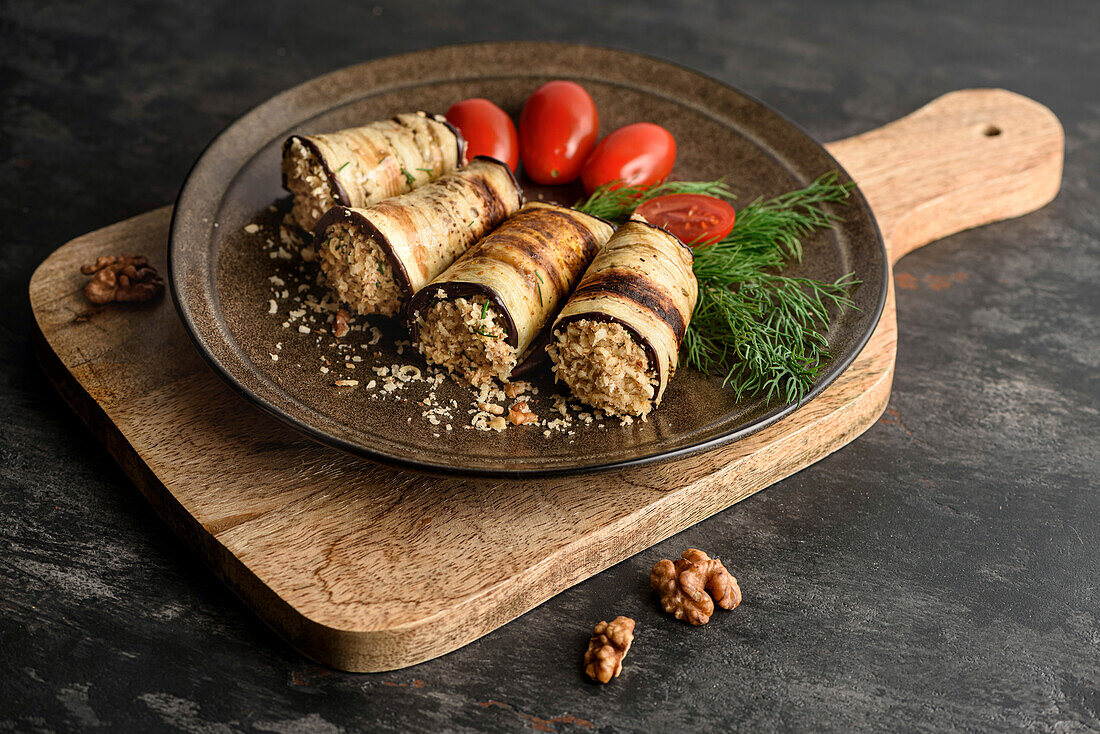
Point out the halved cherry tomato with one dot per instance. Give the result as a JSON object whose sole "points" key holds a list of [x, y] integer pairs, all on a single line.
{"points": [[694, 218], [642, 153], [487, 128], [557, 129]]}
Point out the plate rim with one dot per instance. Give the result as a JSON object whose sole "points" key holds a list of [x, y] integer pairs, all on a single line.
{"points": [[438, 468]]}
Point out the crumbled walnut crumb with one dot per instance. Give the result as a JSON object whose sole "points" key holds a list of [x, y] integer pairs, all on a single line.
{"points": [[521, 415], [690, 586], [609, 645], [347, 383], [252, 228], [491, 408], [341, 323], [515, 389], [406, 372]]}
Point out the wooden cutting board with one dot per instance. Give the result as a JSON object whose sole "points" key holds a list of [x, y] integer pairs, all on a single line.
{"points": [[368, 568]]}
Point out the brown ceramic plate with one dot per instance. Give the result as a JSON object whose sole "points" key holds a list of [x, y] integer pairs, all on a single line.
{"points": [[220, 274]]}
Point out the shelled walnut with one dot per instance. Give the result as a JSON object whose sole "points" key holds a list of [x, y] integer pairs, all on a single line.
{"points": [[691, 585], [122, 278], [607, 648]]}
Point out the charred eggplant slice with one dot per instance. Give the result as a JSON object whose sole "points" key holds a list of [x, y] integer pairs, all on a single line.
{"points": [[616, 341], [364, 165], [375, 258]]}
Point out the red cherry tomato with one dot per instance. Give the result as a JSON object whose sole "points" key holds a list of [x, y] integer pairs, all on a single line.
{"points": [[487, 128], [694, 218], [642, 153], [557, 130]]}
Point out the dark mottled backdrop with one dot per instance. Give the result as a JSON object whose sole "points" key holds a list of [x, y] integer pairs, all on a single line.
{"points": [[941, 573]]}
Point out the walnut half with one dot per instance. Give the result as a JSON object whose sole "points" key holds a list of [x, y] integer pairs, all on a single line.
{"points": [[607, 648], [693, 584], [122, 278]]}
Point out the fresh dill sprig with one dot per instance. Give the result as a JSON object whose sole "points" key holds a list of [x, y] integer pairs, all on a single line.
{"points": [[764, 332], [761, 331], [767, 335], [346, 164], [617, 204], [409, 178]]}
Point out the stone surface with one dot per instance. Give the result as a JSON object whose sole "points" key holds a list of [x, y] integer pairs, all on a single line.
{"points": [[938, 574]]}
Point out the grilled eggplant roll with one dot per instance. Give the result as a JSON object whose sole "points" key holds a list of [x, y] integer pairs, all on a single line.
{"points": [[364, 165], [615, 344], [480, 318], [376, 258]]}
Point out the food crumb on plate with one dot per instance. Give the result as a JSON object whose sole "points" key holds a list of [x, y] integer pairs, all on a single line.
{"points": [[496, 406]]}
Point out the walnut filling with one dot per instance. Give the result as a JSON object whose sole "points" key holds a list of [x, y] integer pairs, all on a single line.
{"points": [[465, 337], [306, 179], [359, 271], [603, 367]]}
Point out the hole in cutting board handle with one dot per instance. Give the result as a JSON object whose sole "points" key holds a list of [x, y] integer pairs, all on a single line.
{"points": [[991, 131]]}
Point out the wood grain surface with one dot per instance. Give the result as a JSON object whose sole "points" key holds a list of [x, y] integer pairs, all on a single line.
{"points": [[368, 568]]}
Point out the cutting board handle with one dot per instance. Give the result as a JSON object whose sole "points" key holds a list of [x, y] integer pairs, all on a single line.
{"points": [[965, 159]]}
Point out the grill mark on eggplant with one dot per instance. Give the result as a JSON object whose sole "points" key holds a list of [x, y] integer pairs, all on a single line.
{"points": [[493, 207], [531, 236], [441, 200], [635, 287], [526, 245]]}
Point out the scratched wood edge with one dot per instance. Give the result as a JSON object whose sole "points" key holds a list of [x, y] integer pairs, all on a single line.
{"points": [[377, 650]]}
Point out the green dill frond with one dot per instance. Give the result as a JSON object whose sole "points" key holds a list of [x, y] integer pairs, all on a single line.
{"points": [[767, 336]]}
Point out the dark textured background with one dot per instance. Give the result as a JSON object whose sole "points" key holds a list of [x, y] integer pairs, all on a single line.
{"points": [[941, 573]]}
